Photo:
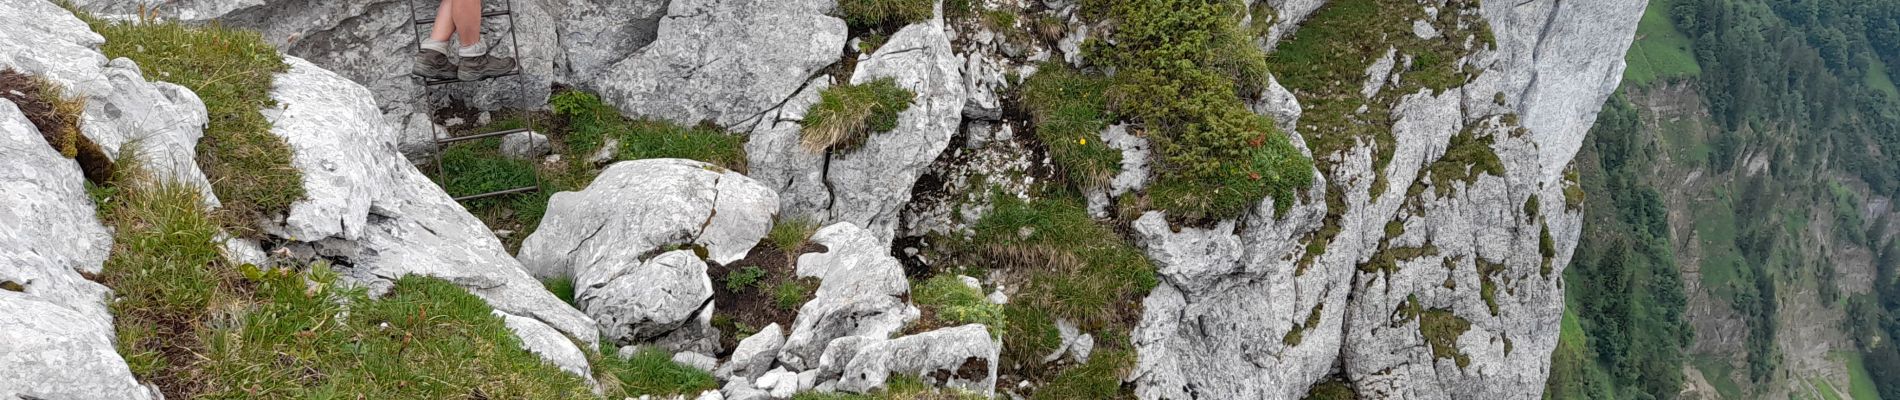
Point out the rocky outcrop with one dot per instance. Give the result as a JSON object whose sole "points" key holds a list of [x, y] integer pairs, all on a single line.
{"points": [[56, 336], [605, 238], [1425, 287], [731, 62], [869, 186], [377, 218], [861, 293], [963, 357]]}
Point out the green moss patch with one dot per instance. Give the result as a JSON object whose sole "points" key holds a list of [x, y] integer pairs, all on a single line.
{"points": [[1467, 156], [1441, 329]]}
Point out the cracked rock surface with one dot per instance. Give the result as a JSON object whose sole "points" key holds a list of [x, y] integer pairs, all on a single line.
{"points": [[730, 62], [861, 293], [377, 218], [611, 239], [1244, 311], [869, 186]]}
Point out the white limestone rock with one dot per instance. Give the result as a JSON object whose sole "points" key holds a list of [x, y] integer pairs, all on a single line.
{"points": [[861, 293], [122, 107], [963, 357], [56, 335], [754, 354], [648, 301], [727, 61], [550, 344], [377, 218], [1233, 295], [525, 145], [635, 208]]}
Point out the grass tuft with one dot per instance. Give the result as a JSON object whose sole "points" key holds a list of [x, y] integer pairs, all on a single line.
{"points": [[899, 387], [887, 13], [232, 71], [1073, 268], [651, 372], [953, 303], [744, 279], [591, 122], [846, 115], [47, 107], [1068, 108]]}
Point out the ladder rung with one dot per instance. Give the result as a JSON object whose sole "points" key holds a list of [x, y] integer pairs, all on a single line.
{"points": [[496, 13], [523, 189], [480, 136], [439, 82]]}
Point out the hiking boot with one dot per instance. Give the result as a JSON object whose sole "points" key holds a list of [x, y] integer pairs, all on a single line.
{"points": [[434, 65], [484, 66]]}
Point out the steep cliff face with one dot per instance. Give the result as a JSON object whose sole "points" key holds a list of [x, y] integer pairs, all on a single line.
{"points": [[1435, 275]]}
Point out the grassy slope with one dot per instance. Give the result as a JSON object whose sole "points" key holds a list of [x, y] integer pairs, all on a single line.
{"points": [[1661, 51]]}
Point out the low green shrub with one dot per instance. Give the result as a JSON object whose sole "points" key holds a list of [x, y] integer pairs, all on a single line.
{"points": [[743, 279], [845, 116], [1181, 67]]}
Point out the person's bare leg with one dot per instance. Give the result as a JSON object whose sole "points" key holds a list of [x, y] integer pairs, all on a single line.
{"points": [[444, 24], [468, 21], [432, 60]]}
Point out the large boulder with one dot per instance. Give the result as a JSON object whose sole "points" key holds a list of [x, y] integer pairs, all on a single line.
{"points": [[56, 336], [730, 62], [962, 357], [606, 237], [656, 298], [862, 292], [376, 218], [869, 186], [635, 208]]}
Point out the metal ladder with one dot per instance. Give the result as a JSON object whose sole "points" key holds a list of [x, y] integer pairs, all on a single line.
{"points": [[428, 85]]}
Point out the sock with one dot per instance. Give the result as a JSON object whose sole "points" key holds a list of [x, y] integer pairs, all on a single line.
{"points": [[474, 50], [440, 46]]}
